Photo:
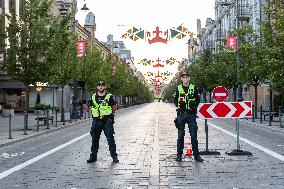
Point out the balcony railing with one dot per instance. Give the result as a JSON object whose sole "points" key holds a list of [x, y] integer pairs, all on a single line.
{"points": [[220, 36], [226, 3], [209, 45], [243, 12]]}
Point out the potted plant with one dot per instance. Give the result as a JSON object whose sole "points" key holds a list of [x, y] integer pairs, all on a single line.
{"points": [[7, 110], [40, 108]]}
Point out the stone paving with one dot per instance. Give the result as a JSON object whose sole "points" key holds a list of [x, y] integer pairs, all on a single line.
{"points": [[146, 144]]}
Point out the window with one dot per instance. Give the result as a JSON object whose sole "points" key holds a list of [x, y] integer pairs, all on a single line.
{"points": [[12, 5], [22, 7], [2, 4]]}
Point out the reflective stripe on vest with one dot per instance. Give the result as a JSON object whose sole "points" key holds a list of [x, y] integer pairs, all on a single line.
{"points": [[101, 109], [187, 98]]}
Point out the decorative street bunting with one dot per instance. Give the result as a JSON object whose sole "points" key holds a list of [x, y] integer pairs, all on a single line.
{"points": [[159, 62], [157, 35]]}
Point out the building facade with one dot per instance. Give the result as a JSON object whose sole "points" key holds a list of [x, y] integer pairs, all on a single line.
{"points": [[229, 15], [14, 92]]}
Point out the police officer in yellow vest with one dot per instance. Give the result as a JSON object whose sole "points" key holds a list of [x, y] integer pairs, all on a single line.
{"points": [[186, 99], [103, 106]]}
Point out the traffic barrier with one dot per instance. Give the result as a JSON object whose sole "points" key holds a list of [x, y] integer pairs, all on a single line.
{"points": [[223, 109]]}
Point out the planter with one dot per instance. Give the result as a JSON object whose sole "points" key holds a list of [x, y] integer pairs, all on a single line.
{"points": [[7, 112], [43, 112]]}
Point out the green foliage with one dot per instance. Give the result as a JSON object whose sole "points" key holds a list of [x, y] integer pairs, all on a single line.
{"points": [[44, 107], [93, 68], [273, 37], [29, 38], [62, 52]]}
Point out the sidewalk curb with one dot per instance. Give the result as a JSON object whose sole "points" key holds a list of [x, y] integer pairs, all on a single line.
{"points": [[44, 132], [257, 124]]}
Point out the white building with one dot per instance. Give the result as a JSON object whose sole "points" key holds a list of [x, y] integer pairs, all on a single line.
{"points": [[230, 14]]}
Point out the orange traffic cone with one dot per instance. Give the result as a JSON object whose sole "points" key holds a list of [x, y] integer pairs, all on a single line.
{"points": [[188, 150]]}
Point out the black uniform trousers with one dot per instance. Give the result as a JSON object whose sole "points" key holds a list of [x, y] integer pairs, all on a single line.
{"points": [[98, 126], [190, 119]]}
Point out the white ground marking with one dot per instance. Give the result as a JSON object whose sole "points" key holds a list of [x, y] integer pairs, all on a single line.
{"points": [[257, 146], [31, 161]]}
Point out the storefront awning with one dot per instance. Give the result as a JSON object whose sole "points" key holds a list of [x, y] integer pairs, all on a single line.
{"points": [[11, 85]]}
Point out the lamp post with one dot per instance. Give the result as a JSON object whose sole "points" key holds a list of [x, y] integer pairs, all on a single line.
{"points": [[75, 100], [240, 88]]}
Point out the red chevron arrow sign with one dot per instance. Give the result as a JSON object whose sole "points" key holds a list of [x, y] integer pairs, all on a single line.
{"points": [[224, 110]]}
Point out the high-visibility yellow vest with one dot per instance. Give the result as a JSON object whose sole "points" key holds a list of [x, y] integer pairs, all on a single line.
{"points": [[186, 99], [102, 109]]}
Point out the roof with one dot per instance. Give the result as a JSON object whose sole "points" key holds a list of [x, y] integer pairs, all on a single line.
{"points": [[90, 19], [11, 85]]}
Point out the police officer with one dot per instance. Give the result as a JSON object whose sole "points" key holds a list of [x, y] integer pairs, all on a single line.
{"points": [[186, 99], [103, 106]]}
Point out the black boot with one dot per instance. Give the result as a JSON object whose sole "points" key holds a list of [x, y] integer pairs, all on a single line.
{"points": [[198, 158], [92, 159], [115, 159], [179, 157]]}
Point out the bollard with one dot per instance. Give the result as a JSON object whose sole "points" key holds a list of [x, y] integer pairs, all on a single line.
{"points": [[37, 121], [253, 113], [261, 113], [10, 126], [70, 120], [56, 117], [25, 123], [281, 126], [85, 112], [47, 119], [270, 117]]}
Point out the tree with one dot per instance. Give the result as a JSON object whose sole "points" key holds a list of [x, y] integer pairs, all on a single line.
{"points": [[29, 39], [63, 55], [272, 38]]}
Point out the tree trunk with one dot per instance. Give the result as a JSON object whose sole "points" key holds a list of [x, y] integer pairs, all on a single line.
{"points": [[62, 106], [255, 100]]}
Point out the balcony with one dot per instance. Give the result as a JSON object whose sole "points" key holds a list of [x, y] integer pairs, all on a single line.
{"points": [[220, 36], [243, 12], [209, 45], [226, 3]]}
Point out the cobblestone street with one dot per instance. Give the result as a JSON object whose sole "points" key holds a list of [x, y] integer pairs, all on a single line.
{"points": [[146, 145]]}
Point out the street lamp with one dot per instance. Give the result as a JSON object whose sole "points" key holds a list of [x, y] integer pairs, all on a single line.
{"points": [[63, 11], [84, 8]]}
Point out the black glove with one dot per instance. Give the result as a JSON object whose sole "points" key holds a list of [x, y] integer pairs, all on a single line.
{"points": [[176, 123]]}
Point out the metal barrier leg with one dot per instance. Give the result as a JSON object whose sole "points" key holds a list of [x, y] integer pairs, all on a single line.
{"points": [[10, 126], [238, 151], [207, 152]]}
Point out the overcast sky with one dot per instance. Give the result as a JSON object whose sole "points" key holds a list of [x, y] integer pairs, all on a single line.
{"points": [[147, 14]]}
